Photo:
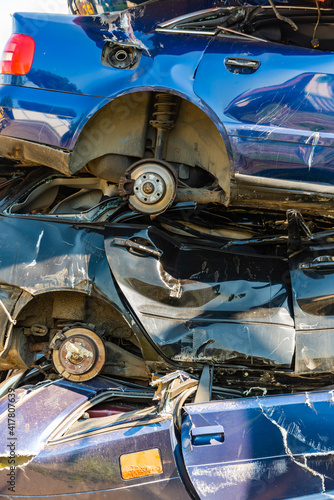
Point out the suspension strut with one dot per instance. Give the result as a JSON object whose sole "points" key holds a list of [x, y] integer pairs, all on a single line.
{"points": [[165, 110], [150, 184]]}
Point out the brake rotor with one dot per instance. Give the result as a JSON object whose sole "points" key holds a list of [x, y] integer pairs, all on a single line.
{"points": [[149, 186], [80, 356]]}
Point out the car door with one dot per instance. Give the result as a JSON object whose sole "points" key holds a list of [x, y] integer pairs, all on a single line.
{"points": [[269, 447], [312, 278], [276, 104], [201, 303]]}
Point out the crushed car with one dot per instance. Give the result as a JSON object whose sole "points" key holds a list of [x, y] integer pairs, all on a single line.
{"points": [[228, 102], [106, 438], [132, 255], [95, 287]]}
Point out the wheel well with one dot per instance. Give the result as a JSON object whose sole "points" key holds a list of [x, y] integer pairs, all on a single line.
{"points": [[53, 309], [45, 315], [121, 128]]}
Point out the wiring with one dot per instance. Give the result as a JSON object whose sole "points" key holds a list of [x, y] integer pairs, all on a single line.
{"points": [[315, 41], [283, 18]]}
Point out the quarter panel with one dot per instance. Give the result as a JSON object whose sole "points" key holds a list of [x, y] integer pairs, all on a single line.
{"points": [[91, 464], [40, 115]]}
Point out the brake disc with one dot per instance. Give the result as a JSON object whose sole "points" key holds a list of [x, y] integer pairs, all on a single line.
{"points": [[149, 186]]}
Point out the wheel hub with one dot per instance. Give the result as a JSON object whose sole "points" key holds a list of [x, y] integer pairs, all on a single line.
{"points": [[149, 188], [77, 354], [80, 356]]}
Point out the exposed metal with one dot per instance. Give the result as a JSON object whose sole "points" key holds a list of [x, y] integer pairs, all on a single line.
{"points": [[122, 56], [149, 186], [80, 355]]}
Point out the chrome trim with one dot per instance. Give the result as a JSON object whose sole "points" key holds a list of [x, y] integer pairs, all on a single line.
{"points": [[253, 180], [111, 427], [318, 264], [241, 62]]}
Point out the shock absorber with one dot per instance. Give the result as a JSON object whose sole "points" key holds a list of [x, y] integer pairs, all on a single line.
{"points": [[150, 184], [163, 120]]}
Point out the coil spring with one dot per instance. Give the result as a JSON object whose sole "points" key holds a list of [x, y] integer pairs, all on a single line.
{"points": [[165, 110]]}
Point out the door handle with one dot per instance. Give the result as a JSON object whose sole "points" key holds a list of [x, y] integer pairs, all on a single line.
{"points": [[241, 65], [324, 262], [205, 435], [136, 247]]}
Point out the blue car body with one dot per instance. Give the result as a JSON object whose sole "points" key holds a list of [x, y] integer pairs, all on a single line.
{"points": [[64, 444], [255, 110], [247, 121]]}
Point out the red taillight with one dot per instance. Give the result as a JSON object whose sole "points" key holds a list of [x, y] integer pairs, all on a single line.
{"points": [[18, 55]]}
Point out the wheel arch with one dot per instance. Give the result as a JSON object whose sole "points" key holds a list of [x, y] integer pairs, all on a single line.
{"points": [[119, 127], [72, 305]]}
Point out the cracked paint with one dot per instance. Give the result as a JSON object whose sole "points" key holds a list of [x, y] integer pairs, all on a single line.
{"points": [[309, 403], [123, 21], [294, 430], [282, 444], [313, 139], [173, 284]]}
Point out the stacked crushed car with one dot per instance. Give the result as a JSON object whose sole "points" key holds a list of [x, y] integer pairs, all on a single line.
{"points": [[166, 213]]}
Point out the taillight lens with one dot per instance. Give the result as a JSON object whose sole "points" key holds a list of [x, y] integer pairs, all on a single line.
{"points": [[18, 55]]}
